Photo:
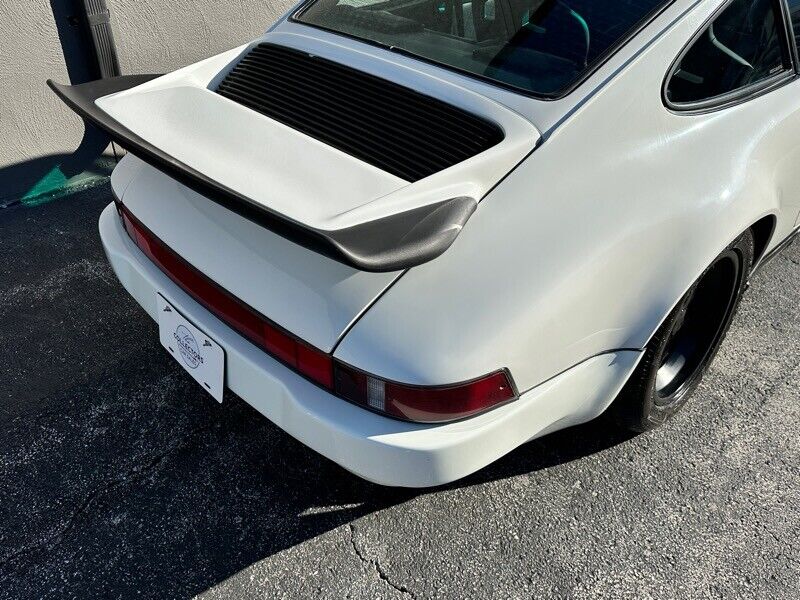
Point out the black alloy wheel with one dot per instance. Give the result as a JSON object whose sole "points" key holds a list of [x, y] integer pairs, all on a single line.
{"points": [[682, 349]]}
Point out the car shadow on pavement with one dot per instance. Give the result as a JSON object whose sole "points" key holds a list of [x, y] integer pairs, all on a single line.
{"points": [[171, 494], [118, 476]]}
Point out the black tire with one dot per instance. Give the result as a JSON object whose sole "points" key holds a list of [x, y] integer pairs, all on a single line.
{"points": [[682, 349]]}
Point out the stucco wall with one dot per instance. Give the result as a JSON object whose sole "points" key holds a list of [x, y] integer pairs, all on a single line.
{"points": [[43, 145]]}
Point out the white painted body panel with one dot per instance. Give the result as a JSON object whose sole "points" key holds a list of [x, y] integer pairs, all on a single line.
{"points": [[569, 265], [587, 246], [379, 449]]}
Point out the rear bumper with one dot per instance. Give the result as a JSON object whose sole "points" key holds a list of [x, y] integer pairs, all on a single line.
{"points": [[376, 448]]}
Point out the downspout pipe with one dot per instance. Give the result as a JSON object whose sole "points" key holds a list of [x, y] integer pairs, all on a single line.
{"points": [[97, 18]]}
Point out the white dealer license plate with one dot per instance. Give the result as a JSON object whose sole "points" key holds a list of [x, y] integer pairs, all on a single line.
{"points": [[201, 356]]}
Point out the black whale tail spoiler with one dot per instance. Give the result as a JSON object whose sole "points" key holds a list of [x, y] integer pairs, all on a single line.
{"points": [[391, 243]]}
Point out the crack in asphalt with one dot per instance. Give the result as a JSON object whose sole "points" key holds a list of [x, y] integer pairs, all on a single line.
{"points": [[133, 474], [375, 563], [783, 543]]}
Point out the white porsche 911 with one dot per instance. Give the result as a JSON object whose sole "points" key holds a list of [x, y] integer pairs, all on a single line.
{"points": [[416, 234]]}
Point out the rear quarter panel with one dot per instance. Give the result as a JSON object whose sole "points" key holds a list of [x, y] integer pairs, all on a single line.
{"points": [[587, 245]]}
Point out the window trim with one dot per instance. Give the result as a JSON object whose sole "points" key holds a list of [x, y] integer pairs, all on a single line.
{"points": [[601, 61], [744, 94], [787, 18]]}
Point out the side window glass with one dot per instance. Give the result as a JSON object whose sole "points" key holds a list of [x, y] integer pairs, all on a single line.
{"points": [[743, 46], [794, 11]]}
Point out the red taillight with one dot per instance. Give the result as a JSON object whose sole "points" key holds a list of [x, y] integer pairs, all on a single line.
{"points": [[313, 363], [412, 403], [310, 362], [423, 404]]}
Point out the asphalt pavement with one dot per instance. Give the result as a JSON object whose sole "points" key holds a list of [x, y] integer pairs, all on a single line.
{"points": [[120, 478]]}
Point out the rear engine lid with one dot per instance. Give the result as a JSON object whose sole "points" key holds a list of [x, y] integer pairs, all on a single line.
{"points": [[378, 162]]}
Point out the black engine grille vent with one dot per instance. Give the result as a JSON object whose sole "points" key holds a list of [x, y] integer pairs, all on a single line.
{"points": [[384, 124]]}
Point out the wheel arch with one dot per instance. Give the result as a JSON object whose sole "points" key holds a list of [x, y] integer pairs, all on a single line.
{"points": [[762, 230]]}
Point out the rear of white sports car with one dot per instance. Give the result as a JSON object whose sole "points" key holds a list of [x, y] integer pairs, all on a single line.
{"points": [[281, 314], [279, 306], [275, 199]]}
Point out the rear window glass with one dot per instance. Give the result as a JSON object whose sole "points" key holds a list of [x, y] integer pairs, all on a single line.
{"points": [[540, 46]]}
